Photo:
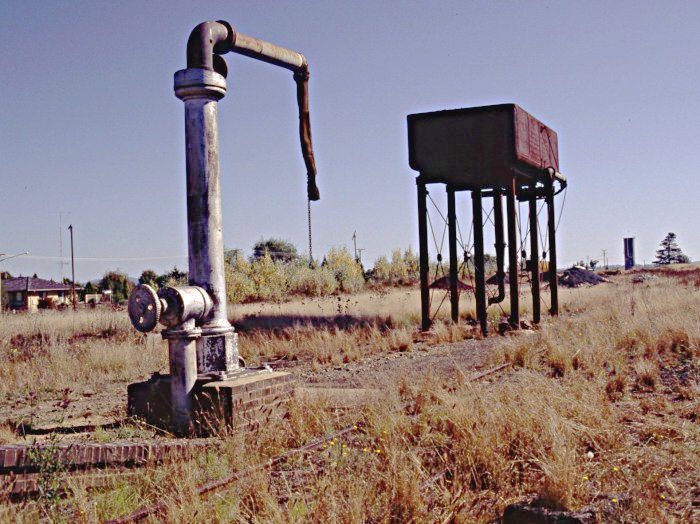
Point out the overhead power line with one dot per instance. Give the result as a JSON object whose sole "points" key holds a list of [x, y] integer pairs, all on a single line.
{"points": [[106, 259]]}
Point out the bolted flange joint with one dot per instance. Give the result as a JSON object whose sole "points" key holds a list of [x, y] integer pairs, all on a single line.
{"points": [[195, 83]]}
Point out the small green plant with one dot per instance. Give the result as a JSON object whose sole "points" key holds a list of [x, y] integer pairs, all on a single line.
{"points": [[47, 459]]}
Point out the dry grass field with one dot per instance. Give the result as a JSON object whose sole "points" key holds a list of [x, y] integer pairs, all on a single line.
{"points": [[597, 407]]}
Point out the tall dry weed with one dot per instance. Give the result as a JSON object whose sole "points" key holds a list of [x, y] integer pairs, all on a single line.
{"points": [[52, 351]]}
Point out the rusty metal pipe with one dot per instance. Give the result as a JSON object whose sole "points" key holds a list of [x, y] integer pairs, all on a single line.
{"points": [[500, 247], [302, 79], [296, 62]]}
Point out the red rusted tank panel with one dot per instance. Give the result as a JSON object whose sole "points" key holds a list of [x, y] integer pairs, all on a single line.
{"points": [[480, 147], [535, 143]]}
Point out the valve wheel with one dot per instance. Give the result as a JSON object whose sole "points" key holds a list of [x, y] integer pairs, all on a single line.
{"points": [[144, 308]]}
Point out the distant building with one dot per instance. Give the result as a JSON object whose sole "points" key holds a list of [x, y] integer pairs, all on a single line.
{"points": [[93, 299], [629, 252], [30, 294]]}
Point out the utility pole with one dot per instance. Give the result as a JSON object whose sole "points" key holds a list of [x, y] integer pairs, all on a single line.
{"points": [[72, 267], [358, 251], [605, 260]]}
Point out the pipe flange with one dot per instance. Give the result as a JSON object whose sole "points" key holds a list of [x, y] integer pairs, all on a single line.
{"points": [[194, 82], [144, 308]]}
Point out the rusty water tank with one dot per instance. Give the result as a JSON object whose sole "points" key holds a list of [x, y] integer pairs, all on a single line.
{"points": [[481, 147]]}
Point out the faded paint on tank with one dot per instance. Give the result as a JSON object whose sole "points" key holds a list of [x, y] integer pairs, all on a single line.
{"points": [[481, 147]]}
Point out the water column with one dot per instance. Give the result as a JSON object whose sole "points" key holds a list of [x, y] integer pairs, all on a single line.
{"points": [[200, 89]]}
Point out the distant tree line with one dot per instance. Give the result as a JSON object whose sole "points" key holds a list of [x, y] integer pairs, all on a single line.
{"points": [[274, 270], [121, 285]]}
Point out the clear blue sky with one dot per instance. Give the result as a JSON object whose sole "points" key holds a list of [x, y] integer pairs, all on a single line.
{"points": [[90, 127]]}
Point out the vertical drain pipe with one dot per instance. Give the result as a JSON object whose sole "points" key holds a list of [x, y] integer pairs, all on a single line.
{"points": [[452, 240], [479, 277], [513, 255], [534, 258], [500, 246], [423, 253]]}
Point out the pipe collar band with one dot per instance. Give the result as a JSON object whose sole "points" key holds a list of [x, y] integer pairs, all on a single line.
{"points": [[199, 83]]}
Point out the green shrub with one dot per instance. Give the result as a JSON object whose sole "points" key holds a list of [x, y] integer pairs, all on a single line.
{"points": [[306, 281], [402, 270], [239, 286], [347, 271], [268, 278]]}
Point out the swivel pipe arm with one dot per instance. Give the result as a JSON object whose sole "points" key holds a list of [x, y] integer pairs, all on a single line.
{"points": [[556, 175], [210, 39]]}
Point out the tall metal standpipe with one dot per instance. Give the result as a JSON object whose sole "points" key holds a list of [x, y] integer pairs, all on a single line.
{"points": [[452, 234], [200, 90], [423, 250]]}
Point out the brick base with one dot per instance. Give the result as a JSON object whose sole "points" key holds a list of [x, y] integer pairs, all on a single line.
{"points": [[244, 402], [93, 463]]}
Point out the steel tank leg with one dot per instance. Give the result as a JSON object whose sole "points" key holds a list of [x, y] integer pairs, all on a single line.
{"points": [[552, 231], [479, 276], [513, 255], [423, 254], [452, 240]]}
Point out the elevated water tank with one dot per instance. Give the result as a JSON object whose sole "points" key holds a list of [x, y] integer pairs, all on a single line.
{"points": [[481, 147]]}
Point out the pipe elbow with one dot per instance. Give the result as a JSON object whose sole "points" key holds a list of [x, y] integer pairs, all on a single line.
{"points": [[207, 39]]}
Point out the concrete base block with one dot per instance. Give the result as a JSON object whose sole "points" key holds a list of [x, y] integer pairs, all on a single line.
{"points": [[246, 401]]}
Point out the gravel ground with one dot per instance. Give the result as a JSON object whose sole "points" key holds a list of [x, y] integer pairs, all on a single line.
{"points": [[76, 414]]}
